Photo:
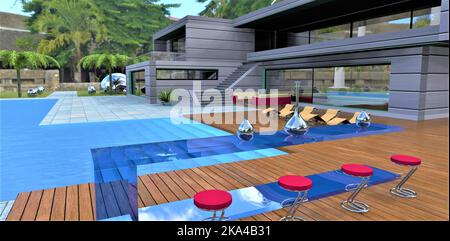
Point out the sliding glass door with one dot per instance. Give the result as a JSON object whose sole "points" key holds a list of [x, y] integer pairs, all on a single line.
{"points": [[138, 83], [364, 87]]}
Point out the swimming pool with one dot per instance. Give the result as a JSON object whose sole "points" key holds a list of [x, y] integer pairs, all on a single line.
{"points": [[34, 157], [116, 167]]}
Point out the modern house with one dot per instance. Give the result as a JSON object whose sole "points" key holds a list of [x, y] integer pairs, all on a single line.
{"points": [[388, 56]]}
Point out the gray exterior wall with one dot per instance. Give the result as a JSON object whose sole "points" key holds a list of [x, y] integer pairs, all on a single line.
{"points": [[444, 21], [210, 39], [153, 86]]}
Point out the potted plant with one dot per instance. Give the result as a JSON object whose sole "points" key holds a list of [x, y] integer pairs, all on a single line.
{"points": [[164, 96]]}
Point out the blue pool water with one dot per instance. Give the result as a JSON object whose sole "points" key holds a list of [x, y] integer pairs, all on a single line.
{"points": [[338, 98], [116, 167], [34, 157]]}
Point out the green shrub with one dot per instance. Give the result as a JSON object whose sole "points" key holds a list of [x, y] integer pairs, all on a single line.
{"points": [[164, 95]]}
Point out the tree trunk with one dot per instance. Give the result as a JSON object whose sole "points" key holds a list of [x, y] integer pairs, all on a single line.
{"points": [[19, 84], [110, 82], [77, 67]]}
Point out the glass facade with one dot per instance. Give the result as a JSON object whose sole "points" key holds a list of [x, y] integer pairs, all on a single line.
{"points": [[284, 81], [391, 23], [186, 74], [412, 19], [426, 17], [365, 87], [330, 33], [179, 45]]}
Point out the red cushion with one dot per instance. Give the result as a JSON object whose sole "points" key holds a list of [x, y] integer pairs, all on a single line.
{"points": [[357, 170], [295, 183], [212, 200], [406, 160]]}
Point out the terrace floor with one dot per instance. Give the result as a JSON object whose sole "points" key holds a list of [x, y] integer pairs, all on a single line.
{"points": [[428, 139], [73, 109]]}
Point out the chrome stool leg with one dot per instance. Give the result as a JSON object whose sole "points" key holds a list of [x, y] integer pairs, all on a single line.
{"points": [[400, 191], [214, 216], [353, 205], [290, 215]]}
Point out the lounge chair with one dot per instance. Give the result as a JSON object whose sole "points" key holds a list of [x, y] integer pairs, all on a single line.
{"points": [[268, 110], [353, 119], [307, 114], [329, 115], [286, 111], [338, 120]]}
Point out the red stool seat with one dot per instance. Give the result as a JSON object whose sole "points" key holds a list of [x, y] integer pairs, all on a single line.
{"points": [[406, 160], [213, 200], [357, 170], [295, 183]]}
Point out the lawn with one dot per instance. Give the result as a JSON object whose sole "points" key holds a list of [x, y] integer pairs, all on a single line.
{"points": [[84, 93], [12, 94]]}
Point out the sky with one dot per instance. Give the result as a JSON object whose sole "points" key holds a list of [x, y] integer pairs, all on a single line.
{"points": [[188, 7]]}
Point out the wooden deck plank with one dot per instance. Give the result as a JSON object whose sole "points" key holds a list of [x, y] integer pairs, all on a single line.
{"points": [[111, 205], [145, 197], [31, 210], [72, 212], [165, 190], [86, 206], [59, 205], [45, 207], [155, 192], [177, 190], [18, 207]]}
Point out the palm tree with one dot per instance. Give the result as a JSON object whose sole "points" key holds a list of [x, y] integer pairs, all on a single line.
{"points": [[26, 59], [106, 61], [215, 8], [69, 23]]}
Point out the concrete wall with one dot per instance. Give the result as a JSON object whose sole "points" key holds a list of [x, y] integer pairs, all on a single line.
{"points": [[418, 82], [30, 79]]}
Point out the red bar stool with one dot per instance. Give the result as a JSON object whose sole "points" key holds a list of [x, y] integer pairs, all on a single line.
{"points": [[414, 163], [294, 184], [213, 201], [363, 172]]}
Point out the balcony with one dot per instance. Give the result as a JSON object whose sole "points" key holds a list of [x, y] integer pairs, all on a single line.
{"points": [[167, 56]]}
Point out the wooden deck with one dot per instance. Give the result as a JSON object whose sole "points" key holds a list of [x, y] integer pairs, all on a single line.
{"points": [[428, 140]]}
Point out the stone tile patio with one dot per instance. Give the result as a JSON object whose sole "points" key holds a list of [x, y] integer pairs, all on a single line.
{"points": [[73, 109]]}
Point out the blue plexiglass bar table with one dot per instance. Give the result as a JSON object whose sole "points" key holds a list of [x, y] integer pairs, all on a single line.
{"points": [[116, 167]]}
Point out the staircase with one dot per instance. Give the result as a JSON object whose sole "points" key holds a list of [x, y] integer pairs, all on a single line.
{"points": [[228, 82]]}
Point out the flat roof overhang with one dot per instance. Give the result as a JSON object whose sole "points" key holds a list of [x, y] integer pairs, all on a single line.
{"points": [[298, 14], [172, 31]]}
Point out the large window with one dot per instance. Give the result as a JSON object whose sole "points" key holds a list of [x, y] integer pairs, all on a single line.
{"points": [[391, 23], [284, 81], [178, 45], [297, 36], [186, 74], [426, 17], [364, 87], [330, 33]]}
